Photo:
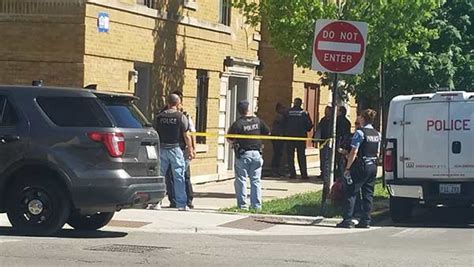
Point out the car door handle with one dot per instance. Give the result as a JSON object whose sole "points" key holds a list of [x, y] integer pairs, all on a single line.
{"points": [[456, 147], [9, 139]]}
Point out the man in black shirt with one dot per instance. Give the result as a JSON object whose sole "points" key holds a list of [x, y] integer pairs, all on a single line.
{"points": [[343, 132], [172, 126], [248, 160], [278, 128], [323, 131], [297, 124]]}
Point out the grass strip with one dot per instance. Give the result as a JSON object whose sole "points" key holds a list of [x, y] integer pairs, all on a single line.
{"points": [[309, 204]]}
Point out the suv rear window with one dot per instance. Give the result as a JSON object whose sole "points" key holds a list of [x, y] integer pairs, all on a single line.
{"points": [[74, 111], [125, 113]]}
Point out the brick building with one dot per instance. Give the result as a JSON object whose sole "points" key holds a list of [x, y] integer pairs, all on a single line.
{"points": [[149, 47], [141, 47]]}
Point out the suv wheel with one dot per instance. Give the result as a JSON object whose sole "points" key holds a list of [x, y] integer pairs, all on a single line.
{"points": [[90, 222], [37, 206], [401, 209]]}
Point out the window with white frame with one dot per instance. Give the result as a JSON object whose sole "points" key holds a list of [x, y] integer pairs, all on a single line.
{"points": [[225, 11]]}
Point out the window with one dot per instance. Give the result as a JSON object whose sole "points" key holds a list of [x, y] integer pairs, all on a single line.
{"points": [[126, 114], [201, 104], [8, 116], [148, 3], [225, 12], [311, 105], [74, 111]]}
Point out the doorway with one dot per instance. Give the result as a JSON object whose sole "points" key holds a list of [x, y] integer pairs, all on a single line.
{"points": [[236, 92], [143, 87]]}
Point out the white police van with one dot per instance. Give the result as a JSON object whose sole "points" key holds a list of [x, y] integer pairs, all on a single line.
{"points": [[429, 151]]}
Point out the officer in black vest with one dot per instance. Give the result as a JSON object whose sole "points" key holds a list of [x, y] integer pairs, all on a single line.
{"points": [[361, 170], [297, 124], [172, 126], [248, 160]]}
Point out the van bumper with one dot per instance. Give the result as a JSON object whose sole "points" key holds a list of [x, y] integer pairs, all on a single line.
{"points": [[133, 192], [428, 191]]}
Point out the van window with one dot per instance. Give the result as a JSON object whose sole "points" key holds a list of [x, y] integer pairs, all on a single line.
{"points": [[8, 116], [125, 114], [74, 111]]}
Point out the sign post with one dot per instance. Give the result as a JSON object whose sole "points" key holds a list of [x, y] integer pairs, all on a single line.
{"points": [[338, 47]]}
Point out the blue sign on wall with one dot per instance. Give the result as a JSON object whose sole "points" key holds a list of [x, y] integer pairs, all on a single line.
{"points": [[103, 22]]}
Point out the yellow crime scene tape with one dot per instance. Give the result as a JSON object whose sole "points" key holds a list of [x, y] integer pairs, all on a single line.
{"points": [[321, 142]]}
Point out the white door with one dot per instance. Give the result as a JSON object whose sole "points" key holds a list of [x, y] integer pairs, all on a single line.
{"points": [[425, 141], [237, 91], [461, 140]]}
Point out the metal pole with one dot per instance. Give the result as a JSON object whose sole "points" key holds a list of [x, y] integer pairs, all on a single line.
{"points": [[332, 145], [333, 132]]}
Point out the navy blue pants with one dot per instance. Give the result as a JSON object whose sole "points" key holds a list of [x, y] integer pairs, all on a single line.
{"points": [[363, 184]]}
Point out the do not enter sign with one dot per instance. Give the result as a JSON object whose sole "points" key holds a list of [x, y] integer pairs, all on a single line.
{"points": [[339, 46]]}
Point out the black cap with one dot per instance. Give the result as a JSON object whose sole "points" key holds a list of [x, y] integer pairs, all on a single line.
{"points": [[243, 106]]}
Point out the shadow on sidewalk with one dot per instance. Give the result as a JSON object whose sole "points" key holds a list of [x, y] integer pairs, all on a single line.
{"points": [[213, 195], [68, 233]]}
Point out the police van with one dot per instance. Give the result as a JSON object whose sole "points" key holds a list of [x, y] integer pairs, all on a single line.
{"points": [[429, 152]]}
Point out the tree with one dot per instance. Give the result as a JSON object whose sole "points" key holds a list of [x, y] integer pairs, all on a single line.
{"points": [[394, 25], [447, 61]]}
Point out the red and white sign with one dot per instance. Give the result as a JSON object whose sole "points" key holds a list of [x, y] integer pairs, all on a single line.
{"points": [[339, 46]]}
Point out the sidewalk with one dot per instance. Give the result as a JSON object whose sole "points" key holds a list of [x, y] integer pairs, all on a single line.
{"points": [[202, 222], [219, 195]]}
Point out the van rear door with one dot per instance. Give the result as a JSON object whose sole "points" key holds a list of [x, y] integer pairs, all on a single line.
{"points": [[425, 140], [461, 140]]}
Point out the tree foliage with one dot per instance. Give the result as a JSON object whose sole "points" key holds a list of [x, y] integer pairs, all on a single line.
{"points": [[447, 61], [394, 27]]}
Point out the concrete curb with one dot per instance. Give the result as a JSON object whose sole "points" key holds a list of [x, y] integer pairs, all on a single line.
{"points": [[284, 219]]}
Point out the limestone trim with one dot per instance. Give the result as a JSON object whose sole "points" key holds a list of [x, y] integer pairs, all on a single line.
{"points": [[157, 14]]}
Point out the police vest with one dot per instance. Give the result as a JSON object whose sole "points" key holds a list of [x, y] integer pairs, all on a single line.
{"points": [[297, 123], [249, 126], [169, 127], [370, 146]]}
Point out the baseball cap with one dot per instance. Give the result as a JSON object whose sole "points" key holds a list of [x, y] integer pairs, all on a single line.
{"points": [[243, 106]]}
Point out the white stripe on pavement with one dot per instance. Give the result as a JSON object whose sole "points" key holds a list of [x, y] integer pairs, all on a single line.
{"points": [[339, 47]]}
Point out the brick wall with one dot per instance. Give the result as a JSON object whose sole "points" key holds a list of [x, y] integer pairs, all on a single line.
{"points": [[46, 46], [175, 50]]}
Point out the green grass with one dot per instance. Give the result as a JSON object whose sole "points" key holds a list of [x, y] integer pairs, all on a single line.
{"points": [[309, 204]]}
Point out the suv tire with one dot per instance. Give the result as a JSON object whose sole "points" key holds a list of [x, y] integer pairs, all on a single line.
{"points": [[401, 209], [90, 222], [37, 206]]}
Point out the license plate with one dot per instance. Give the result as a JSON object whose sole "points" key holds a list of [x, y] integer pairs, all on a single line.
{"points": [[450, 189], [151, 152]]}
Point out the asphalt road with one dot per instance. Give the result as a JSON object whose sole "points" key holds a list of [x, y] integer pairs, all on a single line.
{"points": [[429, 241]]}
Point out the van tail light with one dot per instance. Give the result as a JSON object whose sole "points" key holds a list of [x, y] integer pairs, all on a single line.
{"points": [[114, 142], [388, 157]]}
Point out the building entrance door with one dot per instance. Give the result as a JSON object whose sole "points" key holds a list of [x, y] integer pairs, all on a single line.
{"points": [[237, 91]]}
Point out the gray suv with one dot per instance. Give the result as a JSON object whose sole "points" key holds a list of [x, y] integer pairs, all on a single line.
{"points": [[75, 156]]}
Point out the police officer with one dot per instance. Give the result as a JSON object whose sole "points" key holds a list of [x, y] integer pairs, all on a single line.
{"points": [[172, 126], [297, 124], [188, 159], [249, 159], [361, 170]]}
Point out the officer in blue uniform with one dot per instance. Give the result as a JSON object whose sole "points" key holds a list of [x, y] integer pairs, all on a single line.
{"points": [[249, 161], [361, 171]]}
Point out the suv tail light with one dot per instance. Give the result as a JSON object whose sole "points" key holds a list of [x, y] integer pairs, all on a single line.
{"points": [[114, 142], [388, 157]]}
